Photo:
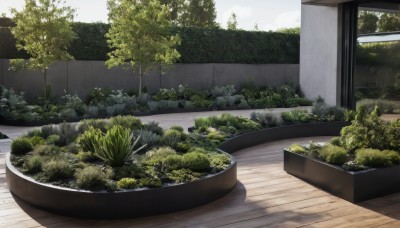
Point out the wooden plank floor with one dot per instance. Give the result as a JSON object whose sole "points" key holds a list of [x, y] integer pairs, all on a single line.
{"points": [[265, 196]]}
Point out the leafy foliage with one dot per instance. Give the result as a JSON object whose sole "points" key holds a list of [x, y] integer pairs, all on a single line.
{"points": [[21, 146], [116, 146]]}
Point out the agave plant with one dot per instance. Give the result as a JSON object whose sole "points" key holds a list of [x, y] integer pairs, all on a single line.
{"points": [[116, 146]]}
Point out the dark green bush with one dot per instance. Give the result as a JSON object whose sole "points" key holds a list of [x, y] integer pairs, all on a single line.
{"points": [[21, 146], [199, 45], [57, 169], [172, 137], [150, 182], [196, 161], [37, 140], [333, 154], [376, 158], [147, 138], [393, 135], [53, 140], [183, 175], [172, 162], [91, 178], [366, 131], [127, 183], [33, 164], [153, 127]]}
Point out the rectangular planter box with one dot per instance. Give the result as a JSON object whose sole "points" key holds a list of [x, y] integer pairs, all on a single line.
{"points": [[351, 186]]}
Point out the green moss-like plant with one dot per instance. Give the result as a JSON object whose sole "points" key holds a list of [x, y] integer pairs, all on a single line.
{"points": [[90, 178], [333, 154], [37, 140], [196, 161], [376, 158], [298, 149], [21, 146], [172, 162], [150, 182], [183, 175], [127, 183]]}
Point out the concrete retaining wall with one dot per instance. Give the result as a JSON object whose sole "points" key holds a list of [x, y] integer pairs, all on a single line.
{"points": [[82, 76]]}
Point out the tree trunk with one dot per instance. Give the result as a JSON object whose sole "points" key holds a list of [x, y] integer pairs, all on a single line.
{"points": [[45, 88], [140, 79]]}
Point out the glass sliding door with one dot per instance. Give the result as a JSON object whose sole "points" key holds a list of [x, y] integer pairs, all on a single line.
{"points": [[377, 61]]}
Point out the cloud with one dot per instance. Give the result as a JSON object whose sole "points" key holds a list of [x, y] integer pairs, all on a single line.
{"points": [[285, 20], [242, 12]]}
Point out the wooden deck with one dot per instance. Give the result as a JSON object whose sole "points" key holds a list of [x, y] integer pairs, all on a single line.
{"points": [[265, 196]]}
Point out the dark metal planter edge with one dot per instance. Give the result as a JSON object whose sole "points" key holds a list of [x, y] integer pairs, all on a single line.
{"points": [[351, 186], [121, 204]]}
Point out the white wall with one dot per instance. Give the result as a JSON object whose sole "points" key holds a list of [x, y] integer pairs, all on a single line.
{"points": [[319, 52]]}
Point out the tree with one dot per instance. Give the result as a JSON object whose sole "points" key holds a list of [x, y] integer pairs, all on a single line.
{"points": [[232, 22], [294, 30], [43, 29], [389, 22], [367, 22], [140, 36], [195, 13]]}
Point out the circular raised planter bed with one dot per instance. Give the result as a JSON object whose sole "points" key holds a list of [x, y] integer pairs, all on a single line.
{"points": [[145, 202], [121, 204]]}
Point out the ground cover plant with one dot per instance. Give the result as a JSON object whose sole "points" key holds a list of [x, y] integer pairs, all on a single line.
{"points": [[103, 102], [114, 155], [369, 142]]}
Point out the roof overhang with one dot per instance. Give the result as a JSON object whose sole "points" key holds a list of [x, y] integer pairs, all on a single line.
{"points": [[324, 2]]}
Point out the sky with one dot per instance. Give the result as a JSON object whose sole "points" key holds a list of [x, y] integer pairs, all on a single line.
{"points": [[267, 14]]}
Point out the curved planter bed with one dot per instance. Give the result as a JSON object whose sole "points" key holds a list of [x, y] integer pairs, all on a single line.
{"points": [[145, 202], [122, 204]]}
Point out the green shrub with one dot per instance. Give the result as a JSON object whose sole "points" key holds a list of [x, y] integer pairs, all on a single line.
{"points": [[366, 131], [37, 140], [216, 135], [226, 119], [131, 171], [127, 183], [386, 106], [89, 139], [53, 140], [33, 164], [334, 154], [393, 135], [150, 182], [266, 119], [117, 146], [172, 162], [90, 178], [219, 161], [183, 175], [153, 127], [147, 138], [129, 122], [296, 116], [336, 141], [85, 156], [157, 155], [46, 150], [57, 169], [375, 158], [100, 124], [178, 128], [21, 146], [196, 161], [172, 137], [166, 94], [298, 149]]}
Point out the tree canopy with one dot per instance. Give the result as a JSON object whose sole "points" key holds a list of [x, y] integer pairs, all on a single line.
{"points": [[43, 29], [140, 36], [193, 13], [232, 22], [389, 22]]}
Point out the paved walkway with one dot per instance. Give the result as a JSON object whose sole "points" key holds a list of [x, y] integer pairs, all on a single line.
{"points": [[165, 120]]}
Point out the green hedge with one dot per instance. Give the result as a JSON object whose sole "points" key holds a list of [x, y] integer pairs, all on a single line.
{"points": [[198, 45], [380, 54]]}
